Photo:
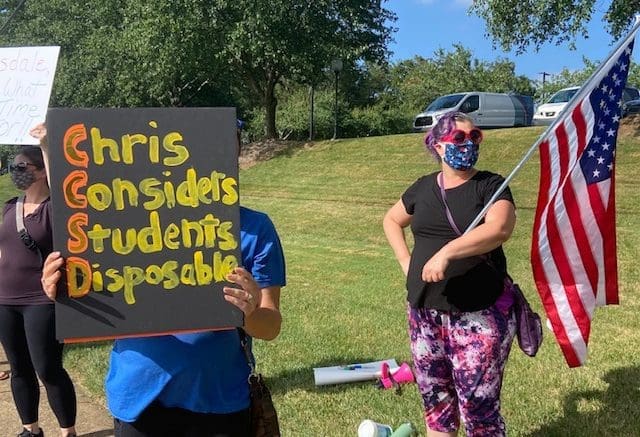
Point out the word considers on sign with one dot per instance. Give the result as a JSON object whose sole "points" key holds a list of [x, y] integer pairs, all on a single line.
{"points": [[146, 213], [26, 78]]}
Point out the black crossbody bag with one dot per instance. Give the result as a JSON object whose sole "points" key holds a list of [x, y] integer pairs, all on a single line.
{"points": [[22, 231], [264, 418]]}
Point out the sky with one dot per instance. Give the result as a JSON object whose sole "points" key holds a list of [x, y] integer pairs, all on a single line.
{"points": [[427, 25]]}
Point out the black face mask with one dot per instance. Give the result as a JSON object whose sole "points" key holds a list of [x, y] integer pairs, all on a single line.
{"points": [[22, 179]]}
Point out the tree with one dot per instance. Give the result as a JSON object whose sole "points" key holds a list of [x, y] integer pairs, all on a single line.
{"points": [[268, 41], [128, 52], [195, 52], [416, 82], [522, 23]]}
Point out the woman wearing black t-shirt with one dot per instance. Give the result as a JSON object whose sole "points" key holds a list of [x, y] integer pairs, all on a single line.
{"points": [[461, 324], [27, 323]]}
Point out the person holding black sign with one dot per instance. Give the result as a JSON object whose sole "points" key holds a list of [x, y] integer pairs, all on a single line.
{"points": [[27, 323], [461, 320], [196, 384]]}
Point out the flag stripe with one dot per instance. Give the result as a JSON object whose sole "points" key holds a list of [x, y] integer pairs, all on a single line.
{"points": [[541, 275], [582, 247], [556, 241]]}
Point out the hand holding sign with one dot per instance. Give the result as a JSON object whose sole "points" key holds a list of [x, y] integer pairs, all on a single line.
{"points": [[39, 132], [247, 296]]}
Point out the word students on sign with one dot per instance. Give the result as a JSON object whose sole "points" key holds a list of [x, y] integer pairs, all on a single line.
{"points": [[26, 79], [144, 204]]}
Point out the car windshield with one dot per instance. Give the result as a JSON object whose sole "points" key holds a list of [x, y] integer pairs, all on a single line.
{"points": [[563, 96], [445, 102]]}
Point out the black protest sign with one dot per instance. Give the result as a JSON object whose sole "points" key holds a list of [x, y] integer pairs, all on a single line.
{"points": [[146, 213]]}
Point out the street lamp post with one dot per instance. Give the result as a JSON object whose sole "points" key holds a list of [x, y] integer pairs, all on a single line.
{"points": [[336, 67], [311, 103]]}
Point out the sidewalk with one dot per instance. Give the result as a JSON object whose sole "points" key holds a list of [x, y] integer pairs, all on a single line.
{"points": [[93, 418]]}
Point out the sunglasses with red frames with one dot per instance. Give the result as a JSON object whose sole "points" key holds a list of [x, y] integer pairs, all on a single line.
{"points": [[459, 136]]}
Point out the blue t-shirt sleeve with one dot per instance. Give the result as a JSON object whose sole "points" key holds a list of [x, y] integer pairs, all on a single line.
{"points": [[263, 256]]}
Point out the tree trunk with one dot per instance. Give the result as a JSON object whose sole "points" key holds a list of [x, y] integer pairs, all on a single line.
{"points": [[270, 104]]}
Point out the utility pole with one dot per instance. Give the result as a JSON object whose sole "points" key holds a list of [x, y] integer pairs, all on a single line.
{"points": [[311, 103], [544, 80]]}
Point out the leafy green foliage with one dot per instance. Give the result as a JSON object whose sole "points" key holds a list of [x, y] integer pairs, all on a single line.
{"points": [[379, 99], [197, 52], [268, 41], [522, 23], [126, 53], [355, 119], [417, 82]]}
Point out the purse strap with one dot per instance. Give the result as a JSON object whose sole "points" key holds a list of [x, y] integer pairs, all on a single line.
{"points": [[22, 231], [452, 223], [244, 342], [446, 206]]}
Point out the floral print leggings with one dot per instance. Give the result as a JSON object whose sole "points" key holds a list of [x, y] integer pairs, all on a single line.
{"points": [[459, 359]]}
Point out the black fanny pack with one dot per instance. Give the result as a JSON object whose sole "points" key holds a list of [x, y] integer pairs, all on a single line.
{"points": [[22, 231]]}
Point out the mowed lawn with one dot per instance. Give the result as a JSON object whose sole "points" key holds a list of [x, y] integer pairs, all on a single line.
{"points": [[345, 298]]}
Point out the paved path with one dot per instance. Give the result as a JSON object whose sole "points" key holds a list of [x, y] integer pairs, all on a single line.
{"points": [[93, 418]]}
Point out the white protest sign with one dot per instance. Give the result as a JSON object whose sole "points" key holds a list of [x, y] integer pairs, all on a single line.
{"points": [[26, 78]]}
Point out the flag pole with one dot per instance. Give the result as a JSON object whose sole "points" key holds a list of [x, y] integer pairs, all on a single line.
{"points": [[568, 108]]}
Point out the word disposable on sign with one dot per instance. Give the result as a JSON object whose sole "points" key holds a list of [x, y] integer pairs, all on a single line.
{"points": [[82, 277]]}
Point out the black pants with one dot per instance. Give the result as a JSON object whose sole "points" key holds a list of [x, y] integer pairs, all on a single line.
{"points": [[27, 333], [159, 421]]}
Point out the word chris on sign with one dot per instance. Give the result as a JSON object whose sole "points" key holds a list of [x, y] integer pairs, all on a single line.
{"points": [[146, 213]]}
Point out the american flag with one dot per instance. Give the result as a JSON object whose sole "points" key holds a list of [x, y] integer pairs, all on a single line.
{"points": [[573, 252]]}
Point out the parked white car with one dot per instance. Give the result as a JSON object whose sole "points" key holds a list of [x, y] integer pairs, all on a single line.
{"points": [[548, 111]]}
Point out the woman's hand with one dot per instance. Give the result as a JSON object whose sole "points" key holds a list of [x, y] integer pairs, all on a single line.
{"points": [[39, 132], [247, 297], [51, 274], [433, 270]]}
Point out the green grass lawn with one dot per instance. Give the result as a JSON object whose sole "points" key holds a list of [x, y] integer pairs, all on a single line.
{"points": [[345, 298]]}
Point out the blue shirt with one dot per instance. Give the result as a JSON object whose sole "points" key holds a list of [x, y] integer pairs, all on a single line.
{"points": [[203, 372]]}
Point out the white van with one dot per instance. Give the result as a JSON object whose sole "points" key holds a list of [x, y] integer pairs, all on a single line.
{"points": [[548, 111], [486, 109]]}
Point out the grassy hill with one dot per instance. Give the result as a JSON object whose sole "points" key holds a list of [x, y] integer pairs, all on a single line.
{"points": [[345, 298]]}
